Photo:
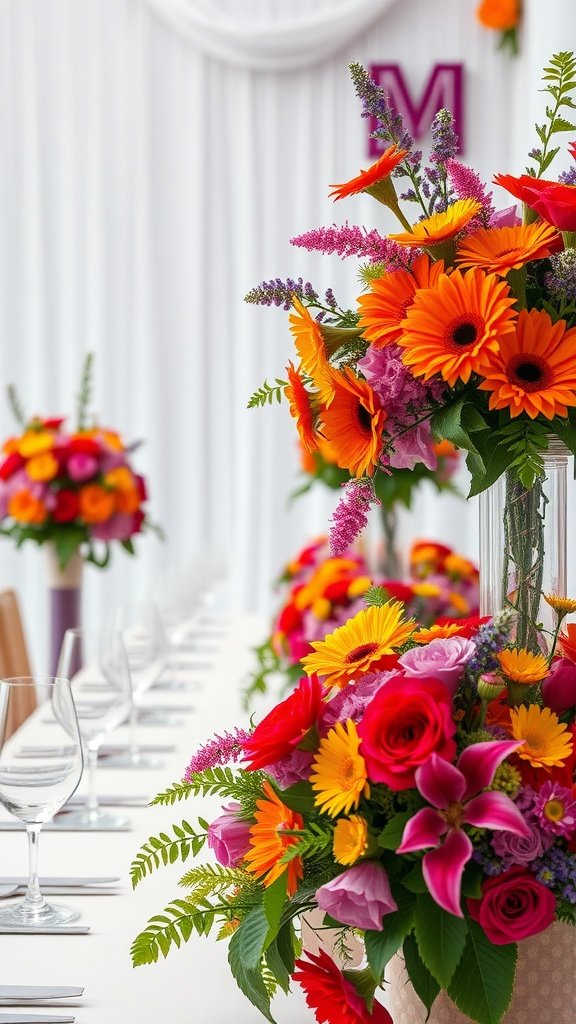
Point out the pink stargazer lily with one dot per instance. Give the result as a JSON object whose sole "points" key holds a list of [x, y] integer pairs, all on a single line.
{"points": [[455, 794]]}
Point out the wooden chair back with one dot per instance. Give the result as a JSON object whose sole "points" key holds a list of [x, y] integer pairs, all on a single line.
{"points": [[14, 660]]}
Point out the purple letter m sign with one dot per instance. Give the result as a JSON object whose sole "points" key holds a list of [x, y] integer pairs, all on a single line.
{"points": [[444, 88]]}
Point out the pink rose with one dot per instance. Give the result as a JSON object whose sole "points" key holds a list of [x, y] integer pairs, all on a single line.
{"points": [[440, 659], [229, 836], [81, 467], [559, 688], [514, 906], [405, 722], [360, 897]]}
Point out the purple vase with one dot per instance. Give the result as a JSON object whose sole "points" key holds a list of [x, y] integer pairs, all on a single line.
{"points": [[65, 597]]}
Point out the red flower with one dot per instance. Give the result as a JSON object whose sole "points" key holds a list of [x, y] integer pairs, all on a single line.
{"points": [[289, 620], [283, 729], [141, 488], [514, 905], [337, 592], [53, 422], [567, 641], [138, 520], [469, 627], [398, 591], [554, 202], [406, 721], [333, 998], [67, 507], [83, 446], [11, 464]]}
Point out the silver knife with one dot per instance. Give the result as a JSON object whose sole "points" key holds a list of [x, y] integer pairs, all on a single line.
{"points": [[33, 1018], [60, 824], [73, 890], [56, 880], [66, 929], [25, 993]]}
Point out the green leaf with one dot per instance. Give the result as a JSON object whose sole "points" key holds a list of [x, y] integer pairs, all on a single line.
{"points": [[274, 900], [267, 393], [425, 986], [566, 431], [414, 880], [560, 125], [441, 938], [299, 797], [364, 983], [280, 956], [376, 597], [67, 540], [249, 981], [456, 422], [381, 946], [496, 458], [250, 937], [483, 982], [391, 835]]}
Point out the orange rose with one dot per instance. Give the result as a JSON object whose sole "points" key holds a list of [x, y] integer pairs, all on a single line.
{"points": [[499, 14], [96, 504], [25, 508], [127, 501], [42, 467]]}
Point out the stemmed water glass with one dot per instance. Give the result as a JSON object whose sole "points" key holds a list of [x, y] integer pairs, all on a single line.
{"points": [[95, 662], [34, 788]]}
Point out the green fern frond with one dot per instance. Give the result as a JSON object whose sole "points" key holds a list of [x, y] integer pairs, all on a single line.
{"points": [[16, 406], [174, 793], [173, 927], [166, 850], [314, 841], [376, 597], [267, 393], [222, 781], [213, 879], [85, 393]]}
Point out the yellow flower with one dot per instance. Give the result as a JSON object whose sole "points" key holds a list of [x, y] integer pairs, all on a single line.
{"points": [[350, 839], [426, 589], [424, 636], [359, 586], [120, 479], [562, 605], [339, 771], [42, 467], [361, 645], [459, 603], [321, 609], [547, 742], [35, 442], [440, 226], [521, 666]]}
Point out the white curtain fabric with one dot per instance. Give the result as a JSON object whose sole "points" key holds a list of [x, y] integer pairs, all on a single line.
{"points": [[153, 169]]}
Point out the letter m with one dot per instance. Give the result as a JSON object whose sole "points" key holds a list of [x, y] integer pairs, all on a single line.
{"points": [[444, 88]]}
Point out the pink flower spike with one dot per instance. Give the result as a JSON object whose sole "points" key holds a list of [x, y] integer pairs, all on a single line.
{"points": [[443, 869], [440, 782], [497, 812], [479, 762], [422, 831]]}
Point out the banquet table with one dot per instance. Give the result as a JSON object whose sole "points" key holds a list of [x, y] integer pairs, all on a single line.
{"points": [[193, 984]]}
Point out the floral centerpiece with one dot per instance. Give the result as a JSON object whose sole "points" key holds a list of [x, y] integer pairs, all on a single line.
{"points": [[503, 16], [324, 591], [74, 491]]}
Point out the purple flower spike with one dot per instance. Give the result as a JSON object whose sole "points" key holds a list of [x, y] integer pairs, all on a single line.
{"points": [[455, 794]]}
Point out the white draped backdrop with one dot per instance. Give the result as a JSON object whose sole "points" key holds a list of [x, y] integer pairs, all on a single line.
{"points": [[155, 158]]}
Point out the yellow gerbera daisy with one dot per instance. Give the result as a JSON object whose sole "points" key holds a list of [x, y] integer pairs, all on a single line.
{"points": [[424, 636], [361, 645], [339, 771], [440, 226], [308, 339], [547, 742], [521, 666], [350, 839], [562, 605]]}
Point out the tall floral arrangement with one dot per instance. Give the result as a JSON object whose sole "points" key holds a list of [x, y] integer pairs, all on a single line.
{"points": [[74, 488]]}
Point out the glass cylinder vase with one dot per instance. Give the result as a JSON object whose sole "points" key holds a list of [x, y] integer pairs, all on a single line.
{"points": [[523, 548]]}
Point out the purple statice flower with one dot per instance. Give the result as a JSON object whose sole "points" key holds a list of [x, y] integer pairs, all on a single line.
{"points": [[376, 103], [220, 750], [353, 700], [350, 516], [488, 860], [561, 279], [345, 240], [293, 768], [277, 292], [568, 177], [490, 638], [556, 869], [467, 185], [444, 138], [555, 810], [514, 849]]}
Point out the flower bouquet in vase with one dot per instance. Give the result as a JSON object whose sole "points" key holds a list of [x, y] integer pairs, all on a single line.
{"points": [[417, 786], [74, 492]]}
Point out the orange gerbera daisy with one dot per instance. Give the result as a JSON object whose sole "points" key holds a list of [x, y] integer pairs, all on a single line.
{"points": [[533, 370], [440, 226], [301, 407], [308, 339], [366, 180], [451, 329], [499, 250], [269, 841], [353, 422], [424, 636], [383, 308]]}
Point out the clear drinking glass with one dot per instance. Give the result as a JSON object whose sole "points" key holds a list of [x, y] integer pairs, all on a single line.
{"points": [[95, 662], [34, 788]]}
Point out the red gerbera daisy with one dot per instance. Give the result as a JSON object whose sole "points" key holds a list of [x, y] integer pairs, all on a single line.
{"points": [[333, 998], [285, 726]]}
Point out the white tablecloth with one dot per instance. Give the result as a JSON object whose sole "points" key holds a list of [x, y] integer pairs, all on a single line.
{"points": [[194, 984]]}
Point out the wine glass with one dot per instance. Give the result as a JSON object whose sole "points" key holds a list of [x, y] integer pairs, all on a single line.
{"points": [[35, 788], [146, 647], [95, 662]]}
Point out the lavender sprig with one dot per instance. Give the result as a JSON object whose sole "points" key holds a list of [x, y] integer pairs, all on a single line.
{"points": [[490, 638], [277, 292]]}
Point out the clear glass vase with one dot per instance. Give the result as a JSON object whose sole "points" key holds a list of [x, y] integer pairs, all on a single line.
{"points": [[523, 548]]}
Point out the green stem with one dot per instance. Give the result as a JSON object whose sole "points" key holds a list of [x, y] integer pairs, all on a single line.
{"points": [[523, 566], [390, 561]]}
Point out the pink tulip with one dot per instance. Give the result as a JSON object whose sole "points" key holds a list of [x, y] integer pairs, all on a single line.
{"points": [[559, 689], [455, 792]]}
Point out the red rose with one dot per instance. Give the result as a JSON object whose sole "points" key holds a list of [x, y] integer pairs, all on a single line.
{"points": [[514, 906], [67, 507], [11, 464], [405, 722], [283, 729], [554, 202]]}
